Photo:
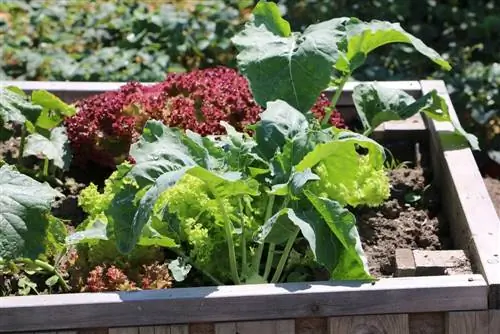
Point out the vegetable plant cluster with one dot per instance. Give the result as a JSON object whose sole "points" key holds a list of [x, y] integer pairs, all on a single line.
{"points": [[224, 193]]}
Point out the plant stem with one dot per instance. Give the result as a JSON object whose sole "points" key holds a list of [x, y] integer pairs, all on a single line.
{"points": [[269, 261], [284, 256], [46, 167], [243, 242], [272, 247], [47, 267], [21, 145], [229, 240], [335, 99], [260, 249]]}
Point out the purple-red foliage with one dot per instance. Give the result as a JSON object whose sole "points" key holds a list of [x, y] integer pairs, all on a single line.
{"points": [[107, 124]]}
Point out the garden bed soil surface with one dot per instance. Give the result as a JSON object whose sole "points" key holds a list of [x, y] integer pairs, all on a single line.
{"points": [[408, 219], [493, 186]]}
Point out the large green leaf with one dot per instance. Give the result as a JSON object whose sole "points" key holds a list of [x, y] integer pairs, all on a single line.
{"points": [[54, 109], [24, 214], [315, 230], [56, 148], [278, 123], [364, 37], [14, 108], [352, 263], [160, 149], [296, 68], [376, 104]]}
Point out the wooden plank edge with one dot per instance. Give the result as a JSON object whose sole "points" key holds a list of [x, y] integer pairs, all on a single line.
{"points": [[243, 303], [475, 203], [80, 89]]}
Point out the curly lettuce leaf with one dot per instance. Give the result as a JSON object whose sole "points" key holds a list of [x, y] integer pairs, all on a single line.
{"points": [[348, 175]]}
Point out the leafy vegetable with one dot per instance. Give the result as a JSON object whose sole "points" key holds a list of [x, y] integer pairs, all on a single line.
{"points": [[24, 214], [56, 148]]}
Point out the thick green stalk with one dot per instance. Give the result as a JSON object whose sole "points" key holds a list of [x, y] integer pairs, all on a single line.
{"points": [[243, 242], [284, 256], [335, 99], [21, 146], [46, 167], [272, 247], [230, 243], [260, 249]]}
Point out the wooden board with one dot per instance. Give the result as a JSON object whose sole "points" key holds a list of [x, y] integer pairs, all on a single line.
{"points": [[470, 211], [387, 324], [256, 327], [243, 303]]}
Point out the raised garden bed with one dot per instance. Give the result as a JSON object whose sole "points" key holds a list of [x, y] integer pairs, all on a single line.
{"points": [[418, 304], [267, 187]]}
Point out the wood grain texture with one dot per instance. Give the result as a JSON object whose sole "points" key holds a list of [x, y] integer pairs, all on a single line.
{"points": [[427, 323], [201, 328], [369, 324], [311, 326], [256, 327], [467, 323], [243, 303], [124, 330], [469, 209]]}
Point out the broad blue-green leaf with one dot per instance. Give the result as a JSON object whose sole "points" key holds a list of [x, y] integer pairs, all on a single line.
{"points": [[240, 151], [295, 185], [376, 104], [321, 239], [295, 69], [54, 109], [268, 14], [278, 123], [160, 149], [129, 228], [24, 208], [364, 37], [56, 148], [14, 108], [352, 263]]}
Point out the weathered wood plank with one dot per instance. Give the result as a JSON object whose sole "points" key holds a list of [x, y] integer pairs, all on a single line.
{"points": [[469, 208], [311, 326], [124, 330], [201, 328], [256, 327], [243, 303], [467, 322], [494, 321], [427, 323], [387, 324]]}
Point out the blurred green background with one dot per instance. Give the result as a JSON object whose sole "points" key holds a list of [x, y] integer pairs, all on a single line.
{"points": [[127, 40]]}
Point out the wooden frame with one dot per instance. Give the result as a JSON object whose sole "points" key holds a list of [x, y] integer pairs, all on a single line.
{"points": [[434, 304]]}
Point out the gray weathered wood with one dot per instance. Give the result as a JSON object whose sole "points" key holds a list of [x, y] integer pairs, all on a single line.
{"points": [[256, 327], [470, 211], [387, 324], [427, 323], [467, 323], [245, 302]]}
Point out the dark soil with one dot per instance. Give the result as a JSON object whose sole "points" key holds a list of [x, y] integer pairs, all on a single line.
{"points": [[408, 219]]}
